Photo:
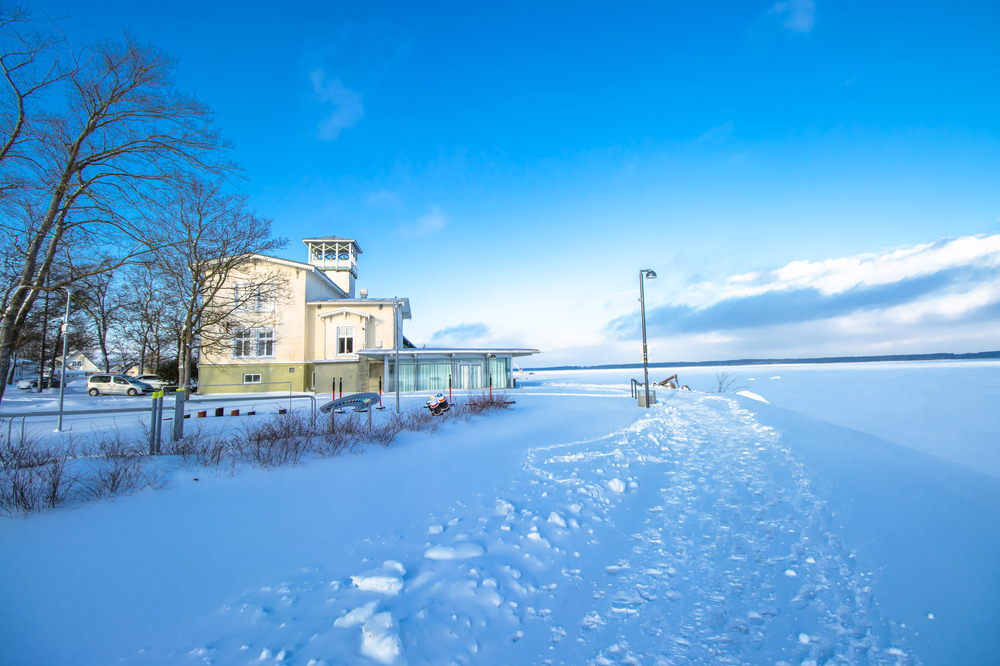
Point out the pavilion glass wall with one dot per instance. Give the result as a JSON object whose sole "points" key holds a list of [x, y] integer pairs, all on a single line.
{"points": [[432, 374]]}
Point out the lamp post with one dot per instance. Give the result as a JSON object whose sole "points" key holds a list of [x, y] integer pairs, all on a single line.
{"points": [[644, 274], [62, 374], [397, 343]]}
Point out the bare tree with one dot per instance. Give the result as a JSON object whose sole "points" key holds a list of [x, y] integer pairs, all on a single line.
{"points": [[30, 63], [146, 316], [726, 383], [203, 238], [125, 132], [96, 296]]}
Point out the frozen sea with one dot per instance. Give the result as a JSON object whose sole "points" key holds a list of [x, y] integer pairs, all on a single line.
{"points": [[950, 409]]}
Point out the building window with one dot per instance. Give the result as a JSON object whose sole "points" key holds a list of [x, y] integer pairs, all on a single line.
{"points": [[345, 339], [250, 297], [251, 378], [253, 343]]}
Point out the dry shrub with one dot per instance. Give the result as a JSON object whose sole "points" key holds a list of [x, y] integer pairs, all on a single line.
{"points": [[203, 448], [483, 403], [32, 477], [114, 465], [280, 440], [108, 477], [27, 489]]}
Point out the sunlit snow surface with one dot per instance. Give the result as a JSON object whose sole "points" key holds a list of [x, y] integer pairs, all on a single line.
{"points": [[574, 529]]}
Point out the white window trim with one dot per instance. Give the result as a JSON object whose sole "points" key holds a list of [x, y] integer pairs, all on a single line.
{"points": [[251, 375], [353, 337], [257, 336]]}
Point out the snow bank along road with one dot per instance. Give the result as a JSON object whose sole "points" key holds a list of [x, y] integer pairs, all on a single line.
{"points": [[577, 529]]}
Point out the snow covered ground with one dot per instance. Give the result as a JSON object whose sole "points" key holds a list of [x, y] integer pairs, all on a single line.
{"points": [[574, 528]]}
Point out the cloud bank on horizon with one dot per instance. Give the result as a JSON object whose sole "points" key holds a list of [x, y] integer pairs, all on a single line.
{"points": [[896, 301]]}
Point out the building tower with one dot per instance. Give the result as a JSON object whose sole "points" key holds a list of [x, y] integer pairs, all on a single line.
{"points": [[338, 258]]}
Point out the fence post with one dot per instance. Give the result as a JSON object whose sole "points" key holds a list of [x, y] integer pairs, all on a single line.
{"points": [[152, 427], [159, 419], [178, 432]]}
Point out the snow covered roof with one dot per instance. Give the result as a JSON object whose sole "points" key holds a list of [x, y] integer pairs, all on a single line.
{"points": [[450, 351], [343, 302], [340, 311]]}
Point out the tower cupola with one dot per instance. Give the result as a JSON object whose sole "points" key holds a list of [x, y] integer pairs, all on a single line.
{"points": [[338, 258]]}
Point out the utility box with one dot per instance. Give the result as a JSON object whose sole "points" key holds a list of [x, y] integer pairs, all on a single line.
{"points": [[642, 398]]}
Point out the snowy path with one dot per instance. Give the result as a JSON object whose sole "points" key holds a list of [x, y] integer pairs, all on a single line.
{"points": [[690, 536]]}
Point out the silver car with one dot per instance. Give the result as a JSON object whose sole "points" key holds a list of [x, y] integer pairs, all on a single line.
{"points": [[116, 385], [152, 380]]}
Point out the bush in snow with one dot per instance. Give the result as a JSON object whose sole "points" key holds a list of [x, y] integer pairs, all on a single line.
{"points": [[200, 447], [280, 440], [32, 477], [482, 404], [114, 464]]}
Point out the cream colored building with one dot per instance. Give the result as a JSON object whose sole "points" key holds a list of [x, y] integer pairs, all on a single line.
{"points": [[307, 331]]}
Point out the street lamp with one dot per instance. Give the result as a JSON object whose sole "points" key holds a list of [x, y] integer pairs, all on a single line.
{"points": [[397, 342], [62, 373], [647, 274]]}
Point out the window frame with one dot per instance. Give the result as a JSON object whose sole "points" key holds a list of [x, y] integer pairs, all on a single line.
{"points": [[249, 343], [349, 338]]}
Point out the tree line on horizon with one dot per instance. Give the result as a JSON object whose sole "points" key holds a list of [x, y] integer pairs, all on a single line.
{"points": [[118, 189]]}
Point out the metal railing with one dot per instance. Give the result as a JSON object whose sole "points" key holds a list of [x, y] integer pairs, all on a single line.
{"points": [[12, 416], [155, 411]]}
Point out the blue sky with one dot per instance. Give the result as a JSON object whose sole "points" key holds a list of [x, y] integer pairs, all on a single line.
{"points": [[806, 177]]}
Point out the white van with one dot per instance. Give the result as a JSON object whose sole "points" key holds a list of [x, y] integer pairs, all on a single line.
{"points": [[116, 385]]}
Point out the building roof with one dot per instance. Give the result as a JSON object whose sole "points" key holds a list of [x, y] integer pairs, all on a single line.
{"points": [[341, 302], [340, 311], [448, 351], [300, 266]]}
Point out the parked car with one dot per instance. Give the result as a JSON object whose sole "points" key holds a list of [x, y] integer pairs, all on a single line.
{"points": [[152, 380], [116, 385], [47, 382]]}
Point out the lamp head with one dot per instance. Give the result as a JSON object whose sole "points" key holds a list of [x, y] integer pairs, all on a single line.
{"points": [[649, 273]]}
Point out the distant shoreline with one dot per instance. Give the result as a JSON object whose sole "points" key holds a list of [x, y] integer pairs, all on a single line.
{"points": [[785, 361]]}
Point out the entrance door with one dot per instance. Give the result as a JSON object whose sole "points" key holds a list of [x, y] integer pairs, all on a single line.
{"points": [[470, 375]]}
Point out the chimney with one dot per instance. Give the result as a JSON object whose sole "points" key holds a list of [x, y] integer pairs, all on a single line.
{"points": [[364, 293]]}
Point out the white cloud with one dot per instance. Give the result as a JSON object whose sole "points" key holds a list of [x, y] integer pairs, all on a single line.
{"points": [[347, 108], [800, 15], [431, 222], [949, 306], [839, 275]]}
